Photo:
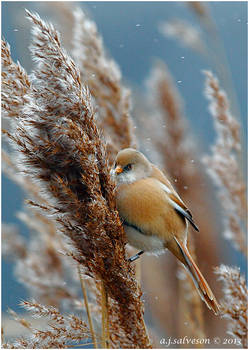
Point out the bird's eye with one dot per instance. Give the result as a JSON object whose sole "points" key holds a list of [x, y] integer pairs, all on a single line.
{"points": [[128, 167]]}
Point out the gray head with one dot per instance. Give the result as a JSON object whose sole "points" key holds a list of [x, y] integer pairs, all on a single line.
{"points": [[130, 166]]}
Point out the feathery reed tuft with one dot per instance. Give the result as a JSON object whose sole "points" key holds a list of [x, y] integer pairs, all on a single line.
{"points": [[223, 164], [14, 79], [177, 154], [63, 329], [187, 35], [234, 305], [61, 149], [103, 77]]}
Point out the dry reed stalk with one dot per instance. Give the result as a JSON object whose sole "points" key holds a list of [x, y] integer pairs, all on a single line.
{"points": [[101, 74], [61, 329], [89, 317], [187, 35], [2, 335], [176, 154], [139, 270], [38, 264], [200, 8], [181, 164], [60, 147], [235, 304], [103, 77], [43, 283], [14, 78], [13, 245], [216, 52], [62, 16], [223, 166], [105, 318]]}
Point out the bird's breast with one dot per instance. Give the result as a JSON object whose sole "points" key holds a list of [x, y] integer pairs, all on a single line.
{"points": [[144, 205]]}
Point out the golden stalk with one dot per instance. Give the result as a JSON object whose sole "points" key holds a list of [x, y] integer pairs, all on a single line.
{"points": [[76, 345], [83, 288], [105, 318], [145, 328], [138, 271], [2, 335]]}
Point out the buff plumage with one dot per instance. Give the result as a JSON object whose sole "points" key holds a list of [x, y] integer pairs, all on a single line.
{"points": [[154, 216]]}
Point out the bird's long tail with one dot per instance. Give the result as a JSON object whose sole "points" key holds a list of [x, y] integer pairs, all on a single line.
{"points": [[201, 284]]}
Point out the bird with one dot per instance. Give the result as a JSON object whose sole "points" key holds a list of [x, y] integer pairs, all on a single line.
{"points": [[154, 216]]}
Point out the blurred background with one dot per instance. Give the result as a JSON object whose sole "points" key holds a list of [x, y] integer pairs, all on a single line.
{"points": [[133, 35]]}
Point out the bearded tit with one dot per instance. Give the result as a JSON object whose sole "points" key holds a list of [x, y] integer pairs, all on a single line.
{"points": [[154, 216]]}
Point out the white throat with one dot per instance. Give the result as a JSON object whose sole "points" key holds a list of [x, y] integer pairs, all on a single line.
{"points": [[126, 178]]}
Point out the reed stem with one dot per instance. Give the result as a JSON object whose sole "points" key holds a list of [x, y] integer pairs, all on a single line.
{"points": [[83, 288], [138, 270], [105, 318]]}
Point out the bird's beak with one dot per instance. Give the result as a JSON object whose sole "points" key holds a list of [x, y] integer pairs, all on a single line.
{"points": [[118, 170]]}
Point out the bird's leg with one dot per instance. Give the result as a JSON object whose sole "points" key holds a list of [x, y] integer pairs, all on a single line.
{"points": [[136, 256]]}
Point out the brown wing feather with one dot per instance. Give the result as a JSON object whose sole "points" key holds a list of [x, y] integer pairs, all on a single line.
{"points": [[185, 212]]}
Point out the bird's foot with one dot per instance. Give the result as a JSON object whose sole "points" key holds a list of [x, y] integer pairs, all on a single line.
{"points": [[136, 256]]}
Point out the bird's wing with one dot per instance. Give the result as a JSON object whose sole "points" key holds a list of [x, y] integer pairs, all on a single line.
{"points": [[173, 197], [182, 209]]}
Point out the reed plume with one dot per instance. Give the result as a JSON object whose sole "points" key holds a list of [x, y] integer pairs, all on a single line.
{"points": [[234, 305], [173, 141], [103, 77], [111, 99], [217, 55], [63, 329], [223, 164], [14, 78], [187, 34], [61, 149], [175, 149]]}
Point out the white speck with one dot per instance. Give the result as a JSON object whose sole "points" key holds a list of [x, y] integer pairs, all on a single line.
{"points": [[138, 25], [182, 57], [164, 126], [185, 187], [121, 46], [192, 161], [148, 139], [175, 180], [185, 323], [156, 297], [179, 81], [239, 20], [134, 127], [93, 75], [15, 30]]}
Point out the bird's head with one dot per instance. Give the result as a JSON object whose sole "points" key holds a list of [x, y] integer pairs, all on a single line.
{"points": [[130, 166]]}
